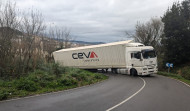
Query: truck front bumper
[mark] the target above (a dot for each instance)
(147, 70)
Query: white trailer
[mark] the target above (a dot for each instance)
(123, 57)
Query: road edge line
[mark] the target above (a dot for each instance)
(127, 99)
(178, 81)
(182, 82)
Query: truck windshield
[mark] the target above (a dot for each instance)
(148, 54)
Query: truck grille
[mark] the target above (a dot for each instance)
(150, 67)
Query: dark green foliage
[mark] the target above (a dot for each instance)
(98, 76)
(3, 94)
(185, 72)
(40, 81)
(182, 70)
(25, 84)
(67, 82)
(74, 75)
(39, 75)
(177, 33)
(82, 77)
(57, 70)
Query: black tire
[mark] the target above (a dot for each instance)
(148, 75)
(106, 70)
(133, 72)
(114, 70)
(92, 70)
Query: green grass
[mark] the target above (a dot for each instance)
(175, 76)
(47, 80)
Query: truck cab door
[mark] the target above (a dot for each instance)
(136, 59)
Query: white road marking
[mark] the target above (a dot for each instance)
(127, 99)
(177, 80)
(180, 81)
(184, 83)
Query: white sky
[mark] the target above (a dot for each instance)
(97, 20)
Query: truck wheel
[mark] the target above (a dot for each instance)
(106, 70)
(114, 70)
(92, 70)
(133, 72)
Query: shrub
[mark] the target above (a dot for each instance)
(74, 75)
(39, 72)
(73, 70)
(81, 77)
(5, 83)
(34, 77)
(48, 77)
(3, 94)
(98, 76)
(45, 68)
(39, 75)
(42, 65)
(24, 84)
(84, 77)
(185, 72)
(67, 82)
(57, 70)
(43, 83)
(52, 84)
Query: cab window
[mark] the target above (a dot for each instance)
(135, 55)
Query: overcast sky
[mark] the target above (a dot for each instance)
(97, 20)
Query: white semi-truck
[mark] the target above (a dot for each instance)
(125, 57)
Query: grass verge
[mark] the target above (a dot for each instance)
(175, 76)
(41, 81)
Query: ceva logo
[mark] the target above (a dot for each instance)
(83, 55)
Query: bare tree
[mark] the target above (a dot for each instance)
(9, 24)
(67, 38)
(56, 38)
(22, 43)
(150, 33)
(32, 26)
(62, 35)
(49, 46)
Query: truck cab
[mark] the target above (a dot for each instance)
(140, 59)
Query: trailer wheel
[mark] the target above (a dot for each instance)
(92, 70)
(106, 70)
(114, 70)
(133, 72)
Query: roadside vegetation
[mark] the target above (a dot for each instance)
(46, 79)
(181, 73)
(175, 76)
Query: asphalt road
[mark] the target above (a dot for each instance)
(118, 93)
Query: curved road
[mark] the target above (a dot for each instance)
(118, 93)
